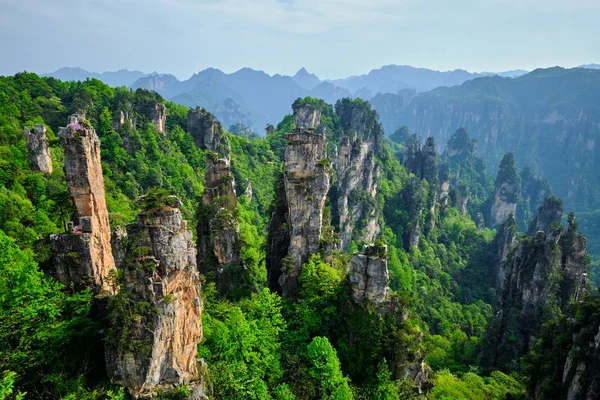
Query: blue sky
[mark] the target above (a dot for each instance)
(333, 38)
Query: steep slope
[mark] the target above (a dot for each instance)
(547, 118)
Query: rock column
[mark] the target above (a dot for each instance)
(218, 229)
(156, 318)
(306, 180)
(84, 256)
(37, 147)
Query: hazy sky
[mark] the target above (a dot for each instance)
(333, 38)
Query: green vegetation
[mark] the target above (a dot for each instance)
(257, 345)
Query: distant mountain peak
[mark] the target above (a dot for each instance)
(306, 80)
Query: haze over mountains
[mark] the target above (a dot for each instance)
(256, 99)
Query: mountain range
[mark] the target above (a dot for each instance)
(255, 99)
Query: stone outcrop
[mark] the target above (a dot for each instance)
(549, 213)
(122, 119)
(369, 275)
(158, 117)
(462, 199)
(507, 192)
(207, 132)
(543, 272)
(503, 243)
(580, 378)
(413, 200)
(357, 189)
(155, 320)
(84, 256)
(421, 159)
(38, 150)
(218, 229)
(369, 282)
(307, 117)
(306, 182)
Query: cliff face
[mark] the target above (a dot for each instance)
(306, 182)
(369, 280)
(218, 228)
(369, 275)
(580, 378)
(357, 176)
(549, 213)
(413, 198)
(543, 272)
(37, 148)
(158, 117)
(547, 116)
(507, 192)
(307, 117)
(156, 318)
(503, 243)
(207, 132)
(84, 256)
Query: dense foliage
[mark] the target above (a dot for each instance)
(258, 346)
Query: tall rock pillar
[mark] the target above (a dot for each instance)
(357, 173)
(306, 181)
(218, 229)
(38, 151)
(84, 256)
(156, 319)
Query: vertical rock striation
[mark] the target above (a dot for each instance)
(38, 150)
(155, 320)
(357, 174)
(369, 280)
(507, 191)
(158, 117)
(544, 273)
(218, 229)
(369, 276)
(84, 256)
(306, 182)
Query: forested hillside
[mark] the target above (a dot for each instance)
(146, 252)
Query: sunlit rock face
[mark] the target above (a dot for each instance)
(38, 150)
(84, 256)
(306, 183)
(357, 174)
(156, 319)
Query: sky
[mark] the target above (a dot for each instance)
(332, 38)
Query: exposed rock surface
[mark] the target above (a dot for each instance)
(156, 318)
(218, 229)
(307, 117)
(507, 192)
(84, 256)
(421, 159)
(462, 199)
(503, 243)
(413, 198)
(543, 272)
(369, 280)
(38, 150)
(357, 176)
(208, 132)
(549, 213)
(158, 117)
(369, 275)
(580, 378)
(306, 183)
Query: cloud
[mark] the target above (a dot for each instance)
(294, 16)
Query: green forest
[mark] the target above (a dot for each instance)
(474, 309)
